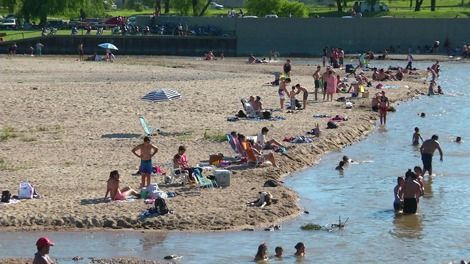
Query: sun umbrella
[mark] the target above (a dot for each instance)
(162, 95)
(107, 46)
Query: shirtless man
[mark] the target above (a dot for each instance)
(427, 151)
(411, 193)
(42, 256)
(147, 151)
(317, 80)
(304, 94)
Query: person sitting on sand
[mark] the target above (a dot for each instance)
(279, 251)
(253, 155)
(399, 74)
(263, 143)
(398, 194)
(265, 198)
(113, 190)
(340, 166)
(257, 105)
(180, 161)
(209, 55)
(342, 86)
(416, 137)
(262, 254)
(300, 250)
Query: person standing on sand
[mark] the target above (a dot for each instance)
(384, 104)
(81, 52)
(409, 59)
(39, 47)
(287, 68)
(427, 151)
(316, 79)
(304, 94)
(324, 77)
(282, 91)
(42, 256)
(147, 151)
(331, 84)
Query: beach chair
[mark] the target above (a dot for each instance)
(203, 181)
(149, 131)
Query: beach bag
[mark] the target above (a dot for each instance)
(6, 195)
(331, 125)
(266, 115)
(25, 191)
(161, 207)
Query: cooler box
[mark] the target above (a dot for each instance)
(222, 177)
(349, 68)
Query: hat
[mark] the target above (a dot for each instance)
(44, 241)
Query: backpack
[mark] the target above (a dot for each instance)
(25, 191)
(331, 125)
(266, 115)
(6, 195)
(161, 207)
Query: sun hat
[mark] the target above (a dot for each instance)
(44, 241)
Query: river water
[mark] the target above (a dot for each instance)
(439, 233)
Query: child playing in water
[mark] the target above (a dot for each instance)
(416, 137)
(398, 194)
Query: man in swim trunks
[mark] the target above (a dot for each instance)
(317, 80)
(427, 151)
(411, 193)
(384, 104)
(147, 151)
(304, 93)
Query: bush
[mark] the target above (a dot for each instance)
(280, 7)
(296, 9)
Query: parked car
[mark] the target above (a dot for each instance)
(271, 16)
(59, 24)
(365, 7)
(217, 6)
(250, 17)
(9, 23)
(115, 21)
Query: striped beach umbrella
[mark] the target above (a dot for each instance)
(162, 95)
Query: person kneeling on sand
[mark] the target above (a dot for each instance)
(265, 198)
(42, 256)
(113, 190)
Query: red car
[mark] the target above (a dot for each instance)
(115, 21)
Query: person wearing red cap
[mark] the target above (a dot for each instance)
(42, 256)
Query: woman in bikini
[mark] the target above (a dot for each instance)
(383, 108)
(113, 190)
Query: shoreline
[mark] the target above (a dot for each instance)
(361, 123)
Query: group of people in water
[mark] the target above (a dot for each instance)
(262, 253)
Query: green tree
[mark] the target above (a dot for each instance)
(41, 9)
(295, 8)
(182, 6)
(263, 7)
(11, 5)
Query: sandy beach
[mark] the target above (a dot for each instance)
(66, 124)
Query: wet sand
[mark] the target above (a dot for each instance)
(67, 124)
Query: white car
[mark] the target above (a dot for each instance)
(217, 6)
(271, 16)
(250, 17)
(8, 23)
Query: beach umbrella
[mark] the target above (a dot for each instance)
(162, 95)
(107, 46)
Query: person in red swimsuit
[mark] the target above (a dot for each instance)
(383, 108)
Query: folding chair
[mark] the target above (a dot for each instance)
(149, 131)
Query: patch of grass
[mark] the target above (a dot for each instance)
(7, 166)
(216, 137)
(184, 135)
(27, 138)
(7, 133)
(68, 163)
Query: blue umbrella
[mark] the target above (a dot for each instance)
(162, 95)
(107, 46)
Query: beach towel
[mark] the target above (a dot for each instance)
(298, 139)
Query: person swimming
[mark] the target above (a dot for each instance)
(340, 166)
(458, 139)
(398, 194)
(300, 250)
(262, 254)
(279, 251)
(416, 137)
